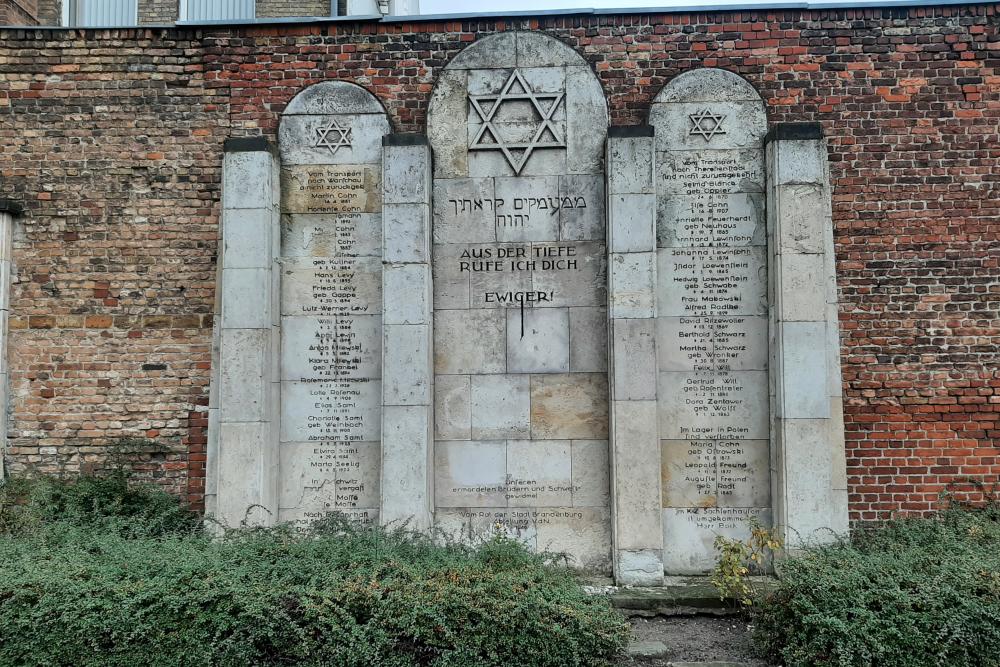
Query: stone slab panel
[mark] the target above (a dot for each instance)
(713, 405)
(569, 406)
(406, 230)
(464, 211)
(804, 385)
(689, 534)
(248, 180)
(539, 473)
(583, 533)
(407, 359)
(632, 218)
(715, 473)
(324, 189)
(588, 339)
(591, 473)
(329, 476)
(581, 214)
(470, 341)
(538, 340)
(247, 238)
(500, 406)
(328, 286)
(634, 349)
(637, 488)
(737, 343)
(470, 473)
(246, 298)
(712, 281)
(452, 407)
(709, 172)
(348, 411)
(406, 293)
(244, 359)
(729, 219)
(331, 348)
(633, 285)
(300, 138)
(331, 235)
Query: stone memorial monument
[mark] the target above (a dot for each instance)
(517, 124)
(612, 342)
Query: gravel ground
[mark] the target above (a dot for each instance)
(694, 638)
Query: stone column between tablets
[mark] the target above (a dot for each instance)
(635, 446)
(407, 352)
(8, 210)
(243, 439)
(809, 480)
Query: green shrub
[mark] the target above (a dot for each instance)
(909, 593)
(93, 592)
(110, 502)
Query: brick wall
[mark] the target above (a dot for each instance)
(18, 12)
(158, 12)
(114, 148)
(279, 8)
(49, 12)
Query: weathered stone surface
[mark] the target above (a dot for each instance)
(246, 299)
(633, 285)
(709, 172)
(246, 236)
(344, 411)
(300, 138)
(713, 405)
(500, 406)
(581, 212)
(406, 230)
(708, 85)
(591, 481)
(464, 210)
(406, 296)
(689, 534)
(712, 281)
(248, 180)
(324, 188)
(715, 473)
(569, 406)
(327, 286)
(588, 339)
(406, 364)
(470, 341)
(632, 220)
(634, 348)
(452, 407)
(244, 362)
(331, 235)
(737, 343)
(539, 473)
(470, 474)
(331, 348)
(329, 476)
(637, 505)
(538, 340)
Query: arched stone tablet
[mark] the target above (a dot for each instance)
(330, 140)
(712, 313)
(518, 123)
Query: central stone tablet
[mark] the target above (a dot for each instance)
(518, 123)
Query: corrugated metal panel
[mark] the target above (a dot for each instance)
(105, 12)
(218, 10)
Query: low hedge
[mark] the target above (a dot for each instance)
(909, 593)
(101, 591)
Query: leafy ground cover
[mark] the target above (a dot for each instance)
(100, 572)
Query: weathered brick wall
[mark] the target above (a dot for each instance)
(280, 8)
(18, 12)
(49, 12)
(158, 12)
(113, 145)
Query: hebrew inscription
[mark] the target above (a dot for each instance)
(517, 123)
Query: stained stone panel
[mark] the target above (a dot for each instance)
(712, 321)
(517, 123)
(330, 139)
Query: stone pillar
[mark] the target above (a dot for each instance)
(407, 353)
(8, 210)
(635, 447)
(809, 478)
(243, 444)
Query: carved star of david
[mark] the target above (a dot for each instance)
(490, 138)
(333, 135)
(706, 124)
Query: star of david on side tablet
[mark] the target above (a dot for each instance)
(333, 135)
(706, 124)
(491, 138)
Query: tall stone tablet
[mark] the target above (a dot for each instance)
(712, 319)
(330, 141)
(518, 123)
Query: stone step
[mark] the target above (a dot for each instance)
(679, 596)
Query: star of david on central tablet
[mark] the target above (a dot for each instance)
(491, 138)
